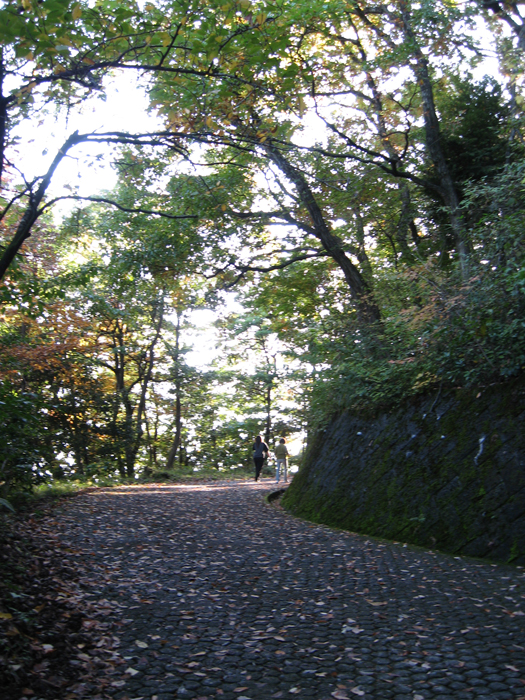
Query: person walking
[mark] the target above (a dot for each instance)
(281, 456)
(260, 450)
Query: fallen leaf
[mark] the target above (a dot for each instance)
(340, 695)
(357, 691)
(42, 666)
(512, 668)
(132, 671)
(6, 616)
(141, 645)
(239, 690)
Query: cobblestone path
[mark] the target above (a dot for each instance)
(216, 594)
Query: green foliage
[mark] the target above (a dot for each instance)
(6, 504)
(25, 454)
(437, 330)
(299, 163)
(475, 124)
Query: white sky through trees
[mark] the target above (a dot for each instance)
(122, 107)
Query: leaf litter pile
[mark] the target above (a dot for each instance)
(53, 638)
(206, 591)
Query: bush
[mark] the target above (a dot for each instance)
(439, 330)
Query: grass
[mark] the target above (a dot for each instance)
(202, 474)
(55, 489)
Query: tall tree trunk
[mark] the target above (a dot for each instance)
(406, 220)
(268, 426)
(152, 438)
(362, 256)
(367, 309)
(137, 432)
(405, 224)
(129, 452)
(3, 116)
(32, 212)
(433, 140)
(119, 366)
(170, 461)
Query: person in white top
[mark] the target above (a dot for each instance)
(281, 457)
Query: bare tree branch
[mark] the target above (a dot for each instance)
(111, 202)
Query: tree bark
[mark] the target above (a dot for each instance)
(362, 256)
(268, 427)
(133, 446)
(515, 22)
(31, 213)
(170, 460)
(367, 309)
(406, 220)
(3, 116)
(433, 141)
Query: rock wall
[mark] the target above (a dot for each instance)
(445, 472)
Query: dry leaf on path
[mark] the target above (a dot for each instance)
(340, 695)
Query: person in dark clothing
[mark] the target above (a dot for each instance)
(260, 452)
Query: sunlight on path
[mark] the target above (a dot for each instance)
(215, 594)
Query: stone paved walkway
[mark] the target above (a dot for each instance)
(223, 596)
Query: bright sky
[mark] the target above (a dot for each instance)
(125, 109)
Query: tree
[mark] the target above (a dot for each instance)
(369, 72)
(509, 13)
(57, 53)
(317, 158)
(52, 400)
(262, 383)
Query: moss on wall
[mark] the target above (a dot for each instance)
(447, 471)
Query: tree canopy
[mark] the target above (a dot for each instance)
(351, 172)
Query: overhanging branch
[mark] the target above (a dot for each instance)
(111, 202)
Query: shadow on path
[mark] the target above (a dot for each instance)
(216, 594)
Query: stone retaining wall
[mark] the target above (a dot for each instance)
(446, 472)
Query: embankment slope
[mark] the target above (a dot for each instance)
(446, 471)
